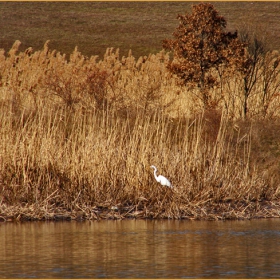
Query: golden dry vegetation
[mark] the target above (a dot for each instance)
(78, 137)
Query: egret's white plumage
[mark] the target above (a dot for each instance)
(161, 179)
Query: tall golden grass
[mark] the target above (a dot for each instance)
(78, 137)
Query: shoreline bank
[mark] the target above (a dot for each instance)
(213, 212)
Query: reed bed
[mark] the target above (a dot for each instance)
(78, 137)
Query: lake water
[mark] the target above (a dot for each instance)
(141, 249)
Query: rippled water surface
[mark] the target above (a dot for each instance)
(140, 249)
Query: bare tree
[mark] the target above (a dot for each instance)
(252, 67)
(270, 81)
(261, 72)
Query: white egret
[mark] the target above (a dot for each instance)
(161, 179)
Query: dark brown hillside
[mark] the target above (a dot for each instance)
(140, 26)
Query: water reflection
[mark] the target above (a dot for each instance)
(140, 249)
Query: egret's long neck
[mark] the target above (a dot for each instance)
(155, 170)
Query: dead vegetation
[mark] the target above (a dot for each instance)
(78, 137)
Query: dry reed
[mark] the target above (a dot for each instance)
(78, 137)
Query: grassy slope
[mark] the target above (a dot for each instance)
(140, 26)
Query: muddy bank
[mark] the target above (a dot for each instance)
(219, 211)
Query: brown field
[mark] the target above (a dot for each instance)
(139, 26)
(78, 134)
